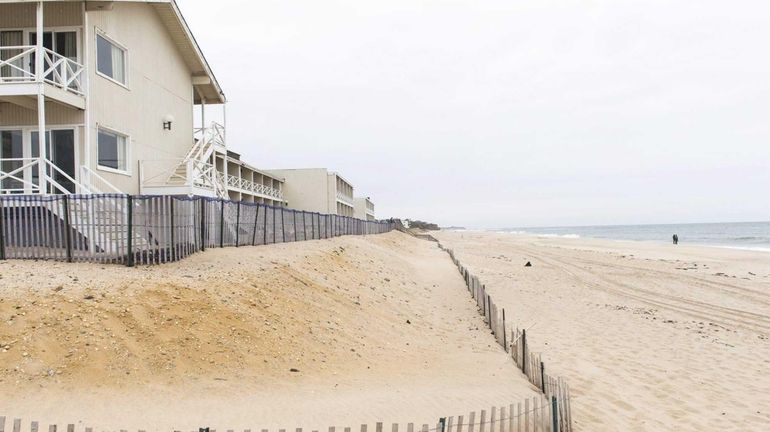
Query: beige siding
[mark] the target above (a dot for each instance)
(314, 189)
(55, 114)
(364, 208)
(159, 84)
(306, 189)
(59, 14)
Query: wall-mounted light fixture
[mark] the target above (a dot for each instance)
(167, 120)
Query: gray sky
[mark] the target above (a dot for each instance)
(497, 113)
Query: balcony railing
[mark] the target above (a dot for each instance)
(345, 198)
(17, 66)
(250, 186)
(22, 176)
(180, 173)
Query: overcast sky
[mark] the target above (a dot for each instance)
(504, 113)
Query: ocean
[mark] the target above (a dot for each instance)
(742, 235)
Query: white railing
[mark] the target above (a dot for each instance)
(251, 187)
(63, 72)
(180, 173)
(17, 65)
(345, 198)
(95, 182)
(22, 176)
(207, 139)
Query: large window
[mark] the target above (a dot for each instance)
(11, 69)
(112, 150)
(110, 59)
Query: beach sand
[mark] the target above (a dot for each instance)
(379, 328)
(649, 336)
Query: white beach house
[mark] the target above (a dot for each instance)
(112, 86)
(317, 190)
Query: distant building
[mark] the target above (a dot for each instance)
(316, 190)
(364, 208)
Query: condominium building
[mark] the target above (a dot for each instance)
(363, 208)
(112, 87)
(317, 190)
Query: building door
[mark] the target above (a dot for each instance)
(60, 148)
(11, 154)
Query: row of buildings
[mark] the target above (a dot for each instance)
(114, 87)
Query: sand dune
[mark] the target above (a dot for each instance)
(378, 329)
(651, 337)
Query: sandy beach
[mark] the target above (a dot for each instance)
(650, 336)
(376, 328)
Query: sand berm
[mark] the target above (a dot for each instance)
(313, 334)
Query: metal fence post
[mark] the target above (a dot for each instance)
(283, 227)
(542, 377)
(294, 221)
(254, 235)
(130, 230)
(275, 222)
(2, 230)
(68, 230)
(173, 240)
(222, 224)
(237, 224)
(264, 231)
(304, 225)
(203, 223)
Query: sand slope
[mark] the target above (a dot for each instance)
(650, 336)
(212, 340)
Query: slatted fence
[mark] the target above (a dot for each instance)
(531, 415)
(143, 229)
(555, 389)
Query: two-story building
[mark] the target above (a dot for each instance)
(112, 86)
(317, 190)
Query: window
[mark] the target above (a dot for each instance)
(112, 151)
(110, 59)
(11, 68)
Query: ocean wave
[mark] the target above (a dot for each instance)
(566, 236)
(748, 248)
(544, 235)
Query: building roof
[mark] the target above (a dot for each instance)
(205, 83)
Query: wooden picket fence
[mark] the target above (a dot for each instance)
(532, 415)
(531, 365)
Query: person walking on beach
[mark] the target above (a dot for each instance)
(676, 239)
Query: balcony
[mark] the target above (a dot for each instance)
(242, 185)
(63, 77)
(345, 199)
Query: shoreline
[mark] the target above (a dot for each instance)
(585, 237)
(640, 330)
